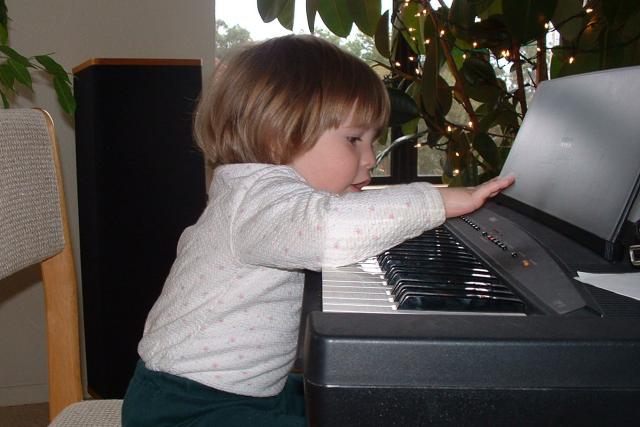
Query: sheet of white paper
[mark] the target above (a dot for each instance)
(627, 284)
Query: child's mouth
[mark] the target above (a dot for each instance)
(360, 185)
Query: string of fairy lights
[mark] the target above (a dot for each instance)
(420, 59)
(505, 53)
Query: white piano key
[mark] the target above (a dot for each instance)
(338, 308)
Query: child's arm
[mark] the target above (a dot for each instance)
(459, 201)
(284, 223)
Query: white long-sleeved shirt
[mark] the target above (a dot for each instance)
(229, 312)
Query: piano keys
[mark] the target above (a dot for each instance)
(433, 271)
(438, 272)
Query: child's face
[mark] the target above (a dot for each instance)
(340, 161)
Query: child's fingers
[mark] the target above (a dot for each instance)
(496, 185)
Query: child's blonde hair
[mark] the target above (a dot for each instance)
(272, 100)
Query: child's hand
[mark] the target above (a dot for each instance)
(459, 201)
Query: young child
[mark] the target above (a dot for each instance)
(288, 125)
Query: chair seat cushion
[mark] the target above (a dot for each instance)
(94, 413)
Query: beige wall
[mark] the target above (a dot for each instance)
(77, 30)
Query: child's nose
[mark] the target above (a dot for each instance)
(367, 157)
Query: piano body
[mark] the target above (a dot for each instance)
(481, 321)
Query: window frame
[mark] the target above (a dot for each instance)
(400, 172)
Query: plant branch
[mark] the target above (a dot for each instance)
(459, 86)
(469, 129)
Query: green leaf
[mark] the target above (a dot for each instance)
(526, 18)
(583, 62)
(336, 16)
(619, 11)
(507, 119)
(7, 77)
(15, 56)
(614, 53)
(457, 55)
(52, 67)
(487, 120)
(270, 9)
(410, 127)
(5, 100)
(430, 76)
(483, 93)
(4, 17)
(630, 27)
(432, 99)
(485, 146)
(403, 107)
(591, 39)
(568, 27)
(461, 17)
(383, 138)
(366, 14)
(486, 8)
(286, 15)
(20, 72)
(480, 80)
(65, 96)
(558, 63)
(414, 90)
(4, 34)
(445, 97)
(409, 20)
(312, 9)
(382, 36)
(491, 33)
(477, 71)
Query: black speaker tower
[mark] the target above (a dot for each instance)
(141, 181)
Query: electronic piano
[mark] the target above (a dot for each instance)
(482, 321)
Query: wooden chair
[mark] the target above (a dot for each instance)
(34, 229)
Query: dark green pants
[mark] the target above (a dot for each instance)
(159, 399)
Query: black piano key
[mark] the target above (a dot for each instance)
(429, 250)
(449, 240)
(446, 301)
(444, 236)
(455, 291)
(437, 267)
(416, 246)
(392, 280)
(418, 261)
(450, 281)
(409, 258)
(393, 269)
(442, 282)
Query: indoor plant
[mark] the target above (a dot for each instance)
(460, 73)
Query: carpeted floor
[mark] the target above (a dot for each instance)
(35, 415)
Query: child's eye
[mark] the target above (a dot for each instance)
(353, 139)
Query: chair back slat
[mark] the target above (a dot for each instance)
(30, 219)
